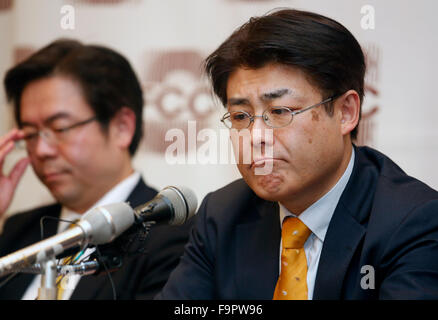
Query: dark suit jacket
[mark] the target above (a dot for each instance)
(384, 219)
(140, 277)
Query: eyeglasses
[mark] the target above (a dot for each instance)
(274, 117)
(52, 136)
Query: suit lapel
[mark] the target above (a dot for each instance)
(342, 238)
(346, 229)
(93, 287)
(257, 253)
(141, 194)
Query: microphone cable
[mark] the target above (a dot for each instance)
(9, 278)
(82, 251)
(102, 261)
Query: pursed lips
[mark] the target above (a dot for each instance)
(260, 162)
(52, 175)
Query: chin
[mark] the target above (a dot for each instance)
(61, 193)
(268, 187)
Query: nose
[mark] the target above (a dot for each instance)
(44, 147)
(261, 133)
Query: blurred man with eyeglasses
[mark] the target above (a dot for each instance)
(79, 113)
(329, 220)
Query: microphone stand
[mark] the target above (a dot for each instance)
(45, 252)
(49, 271)
(109, 261)
(83, 268)
(48, 289)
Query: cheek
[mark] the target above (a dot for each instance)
(35, 163)
(294, 143)
(242, 148)
(322, 144)
(305, 146)
(77, 153)
(315, 116)
(319, 129)
(93, 157)
(80, 157)
(85, 146)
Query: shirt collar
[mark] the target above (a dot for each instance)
(317, 217)
(118, 193)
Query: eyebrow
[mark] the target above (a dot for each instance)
(269, 96)
(237, 101)
(266, 97)
(49, 120)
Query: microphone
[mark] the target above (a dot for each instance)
(97, 226)
(173, 205)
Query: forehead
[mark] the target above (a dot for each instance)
(46, 97)
(273, 81)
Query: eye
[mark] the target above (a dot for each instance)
(30, 136)
(279, 111)
(239, 116)
(60, 130)
(60, 125)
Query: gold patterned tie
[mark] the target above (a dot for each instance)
(61, 280)
(292, 282)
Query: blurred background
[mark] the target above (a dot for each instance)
(166, 42)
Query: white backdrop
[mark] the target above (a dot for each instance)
(166, 40)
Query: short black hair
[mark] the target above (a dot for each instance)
(107, 79)
(326, 51)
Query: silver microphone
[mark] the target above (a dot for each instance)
(172, 205)
(97, 226)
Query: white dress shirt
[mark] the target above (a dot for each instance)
(117, 194)
(317, 218)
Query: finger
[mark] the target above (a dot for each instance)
(12, 135)
(18, 171)
(20, 135)
(4, 151)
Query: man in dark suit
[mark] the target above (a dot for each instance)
(314, 217)
(79, 111)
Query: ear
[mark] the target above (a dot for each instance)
(123, 127)
(349, 111)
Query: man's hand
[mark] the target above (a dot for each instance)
(9, 183)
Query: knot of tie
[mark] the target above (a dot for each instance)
(294, 233)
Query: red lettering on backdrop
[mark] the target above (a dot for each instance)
(6, 4)
(175, 93)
